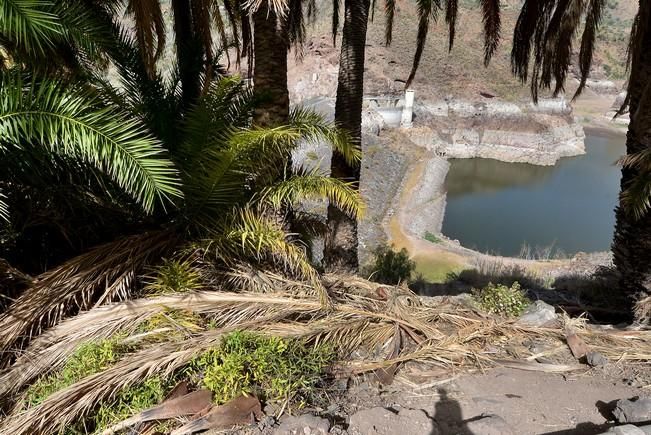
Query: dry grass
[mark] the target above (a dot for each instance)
(363, 319)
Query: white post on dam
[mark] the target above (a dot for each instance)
(407, 109)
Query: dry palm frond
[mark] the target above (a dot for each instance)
(643, 311)
(360, 322)
(105, 274)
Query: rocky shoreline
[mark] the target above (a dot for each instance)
(507, 132)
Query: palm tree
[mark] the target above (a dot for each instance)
(227, 178)
(341, 243)
(547, 29)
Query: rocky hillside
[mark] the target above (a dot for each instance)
(460, 72)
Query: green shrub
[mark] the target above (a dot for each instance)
(274, 369)
(175, 276)
(502, 300)
(431, 237)
(88, 359)
(392, 267)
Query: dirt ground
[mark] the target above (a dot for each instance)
(577, 403)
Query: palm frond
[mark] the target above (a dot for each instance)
(250, 234)
(311, 185)
(30, 24)
(636, 48)
(636, 197)
(451, 12)
(71, 121)
(593, 18)
(492, 27)
(149, 27)
(312, 127)
(4, 208)
(104, 274)
(427, 10)
(389, 14)
(547, 28)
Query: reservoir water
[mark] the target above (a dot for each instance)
(498, 207)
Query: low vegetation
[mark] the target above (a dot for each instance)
(502, 300)
(88, 359)
(274, 369)
(392, 267)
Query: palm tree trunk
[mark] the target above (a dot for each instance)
(188, 51)
(632, 240)
(341, 244)
(270, 68)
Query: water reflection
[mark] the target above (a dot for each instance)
(496, 206)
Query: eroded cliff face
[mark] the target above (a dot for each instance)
(536, 134)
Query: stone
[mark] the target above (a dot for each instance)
(633, 411)
(595, 359)
(538, 313)
(382, 421)
(306, 424)
(627, 429)
(490, 424)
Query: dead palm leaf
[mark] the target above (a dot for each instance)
(104, 274)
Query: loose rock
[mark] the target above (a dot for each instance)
(595, 359)
(627, 429)
(633, 411)
(538, 314)
(306, 424)
(490, 425)
(382, 421)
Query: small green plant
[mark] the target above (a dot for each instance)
(275, 369)
(130, 401)
(392, 267)
(431, 237)
(175, 276)
(88, 359)
(502, 300)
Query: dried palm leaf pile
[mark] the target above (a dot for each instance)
(373, 327)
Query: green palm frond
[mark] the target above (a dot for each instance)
(29, 24)
(314, 128)
(636, 198)
(544, 31)
(71, 121)
(312, 185)
(250, 234)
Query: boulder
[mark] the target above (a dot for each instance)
(633, 411)
(538, 314)
(382, 421)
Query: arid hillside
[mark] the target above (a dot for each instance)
(459, 72)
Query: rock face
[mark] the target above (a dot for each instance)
(538, 314)
(537, 134)
(633, 411)
(382, 421)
